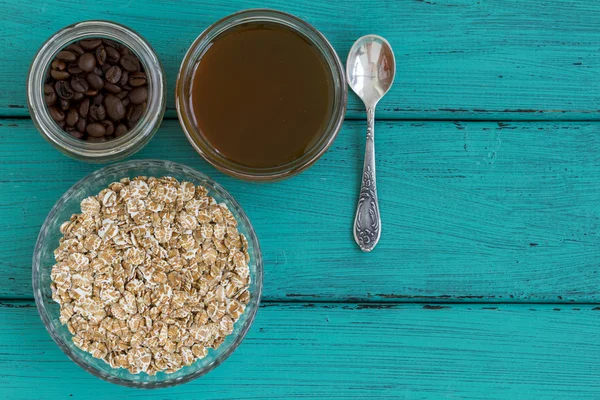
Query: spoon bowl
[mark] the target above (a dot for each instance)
(371, 68)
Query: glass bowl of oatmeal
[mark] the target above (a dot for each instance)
(100, 348)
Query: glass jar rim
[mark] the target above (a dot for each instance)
(117, 148)
(336, 119)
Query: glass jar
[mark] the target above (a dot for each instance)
(185, 81)
(110, 150)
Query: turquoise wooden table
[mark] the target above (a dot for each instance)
(485, 284)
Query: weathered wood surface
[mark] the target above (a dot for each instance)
(477, 211)
(336, 351)
(457, 59)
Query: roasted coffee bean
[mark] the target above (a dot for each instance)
(49, 94)
(74, 69)
(97, 112)
(95, 130)
(72, 117)
(78, 96)
(76, 134)
(90, 44)
(60, 75)
(81, 125)
(61, 124)
(84, 107)
(95, 81)
(130, 63)
(63, 90)
(75, 49)
(56, 114)
(134, 113)
(66, 56)
(113, 74)
(112, 55)
(101, 55)
(91, 92)
(87, 62)
(124, 78)
(58, 65)
(98, 99)
(79, 84)
(120, 130)
(124, 51)
(109, 126)
(114, 107)
(112, 88)
(137, 79)
(139, 95)
(98, 71)
(64, 104)
(126, 87)
(122, 94)
(105, 68)
(112, 43)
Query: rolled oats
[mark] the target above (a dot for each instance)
(151, 274)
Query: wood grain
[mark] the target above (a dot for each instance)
(477, 211)
(350, 352)
(457, 59)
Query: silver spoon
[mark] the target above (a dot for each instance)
(370, 70)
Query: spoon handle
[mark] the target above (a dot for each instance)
(367, 223)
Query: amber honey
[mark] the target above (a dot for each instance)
(262, 95)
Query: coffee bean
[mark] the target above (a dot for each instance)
(95, 81)
(81, 125)
(74, 69)
(90, 44)
(63, 90)
(139, 95)
(137, 79)
(66, 56)
(105, 68)
(124, 51)
(112, 88)
(61, 124)
(84, 107)
(76, 134)
(134, 113)
(98, 99)
(58, 65)
(95, 130)
(114, 107)
(112, 55)
(56, 114)
(64, 104)
(112, 43)
(97, 112)
(87, 62)
(92, 139)
(126, 87)
(101, 55)
(120, 130)
(60, 75)
(49, 94)
(122, 94)
(109, 126)
(130, 63)
(126, 101)
(113, 74)
(78, 96)
(72, 117)
(79, 84)
(75, 49)
(91, 92)
(124, 78)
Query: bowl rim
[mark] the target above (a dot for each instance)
(36, 266)
(337, 117)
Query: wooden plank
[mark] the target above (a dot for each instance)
(471, 211)
(457, 59)
(300, 351)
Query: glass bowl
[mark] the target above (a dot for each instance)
(43, 260)
(111, 150)
(199, 141)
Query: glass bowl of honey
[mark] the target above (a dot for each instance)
(261, 95)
